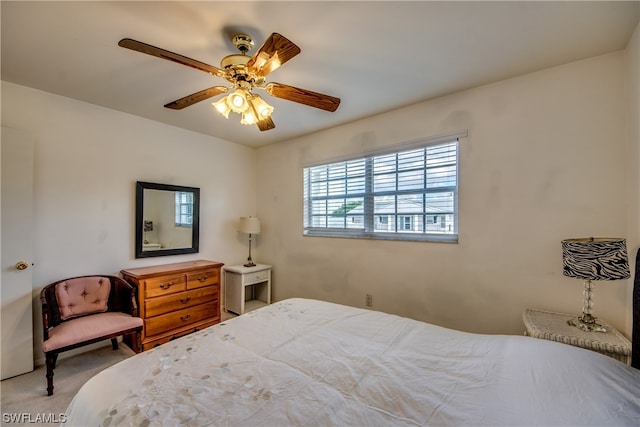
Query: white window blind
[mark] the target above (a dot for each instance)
(184, 209)
(409, 194)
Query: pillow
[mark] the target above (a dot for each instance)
(82, 295)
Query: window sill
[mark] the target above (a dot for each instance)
(437, 238)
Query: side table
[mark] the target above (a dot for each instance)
(246, 288)
(553, 327)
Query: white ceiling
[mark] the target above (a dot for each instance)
(375, 56)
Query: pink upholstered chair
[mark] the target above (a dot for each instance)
(84, 310)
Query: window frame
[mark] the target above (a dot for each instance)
(179, 204)
(370, 220)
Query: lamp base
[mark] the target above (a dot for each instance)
(587, 323)
(249, 264)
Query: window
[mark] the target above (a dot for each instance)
(409, 194)
(184, 209)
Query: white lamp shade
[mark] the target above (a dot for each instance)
(249, 225)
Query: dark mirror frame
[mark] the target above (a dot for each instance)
(195, 236)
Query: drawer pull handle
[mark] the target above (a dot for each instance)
(166, 286)
(202, 278)
(184, 318)
(185, 300)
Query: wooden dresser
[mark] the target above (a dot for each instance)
(176, 299)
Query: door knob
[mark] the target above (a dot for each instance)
(22, 265)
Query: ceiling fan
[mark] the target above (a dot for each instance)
(244, 74)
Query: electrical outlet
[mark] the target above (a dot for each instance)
(369, 301)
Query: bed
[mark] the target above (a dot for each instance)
(312, 363)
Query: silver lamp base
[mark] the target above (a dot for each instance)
(587, 323)
(250, 262)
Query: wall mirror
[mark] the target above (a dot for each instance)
(167, 219)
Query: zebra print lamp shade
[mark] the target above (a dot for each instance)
(594, 259)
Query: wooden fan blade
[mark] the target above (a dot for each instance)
(275, 51)
(196, 97)
(303, 96)
(266, 124)
(171, 56)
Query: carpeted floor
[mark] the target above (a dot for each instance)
(25, 400)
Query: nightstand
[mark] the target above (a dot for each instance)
(246, 288)
(553, 327)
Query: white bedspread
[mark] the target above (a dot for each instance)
(310, 363)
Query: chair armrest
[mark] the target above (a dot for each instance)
(45, 315)
(124, 296)
(50, 311)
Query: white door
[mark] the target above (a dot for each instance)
(16, 253)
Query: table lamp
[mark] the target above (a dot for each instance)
(147, 226)
(249, 225)
(593, 259)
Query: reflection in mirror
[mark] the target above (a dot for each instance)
(167, 219)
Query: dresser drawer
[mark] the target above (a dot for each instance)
(165, 285)
(155, 343)
(202, 278)
(258, 276)
(173, 302)
(167, 322)
(165, 339)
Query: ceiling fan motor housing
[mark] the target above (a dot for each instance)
(237, 71)
(234, 61)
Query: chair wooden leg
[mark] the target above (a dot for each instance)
(51, 364)
(114, 343)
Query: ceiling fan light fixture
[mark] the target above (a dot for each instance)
(222, 107)
(237, 101)
(251, 107)
(261, 107)
(248, 118)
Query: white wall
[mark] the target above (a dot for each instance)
(633, 126)
(545, 159)
(87, 160)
